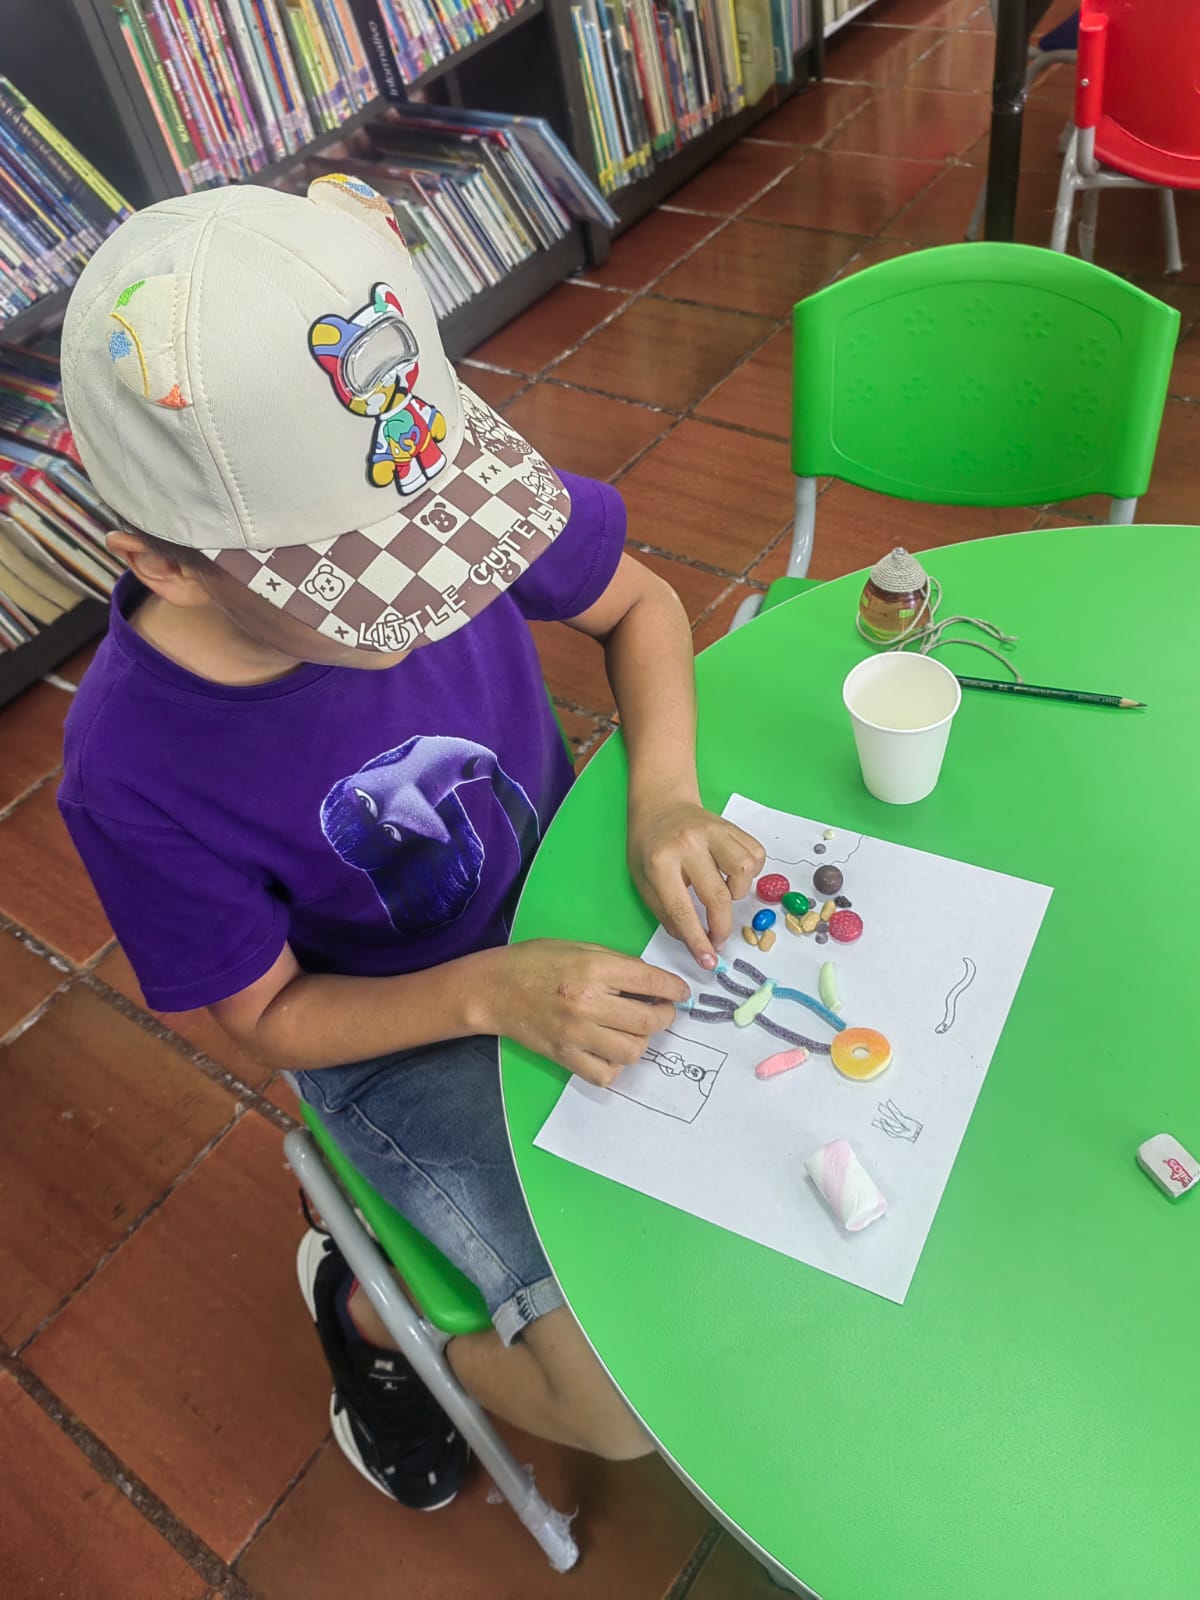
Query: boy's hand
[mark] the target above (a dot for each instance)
(679, 843)
(572, 1002)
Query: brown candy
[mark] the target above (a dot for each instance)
(827, 880)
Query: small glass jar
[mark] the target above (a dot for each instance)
(895, 600)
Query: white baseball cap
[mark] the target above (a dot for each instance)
(259, 376)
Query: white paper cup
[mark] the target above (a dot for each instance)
(901, 707)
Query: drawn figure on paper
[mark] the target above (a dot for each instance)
(372, 363)
(895, 1123)
(950, 1015)
(674, 1077)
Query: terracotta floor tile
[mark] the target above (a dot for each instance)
(579, 730)
(735, 178)
(941, 214)
(25, 981)
(758, 394)
(197, 1027)
(979, 21)
(1129, 237)
(192, 1355)
(42, 882)
(548, 329)
(649, 248)
(845, 192)
(809, 117)
(30, 739)
(732, 1573)
(280, 1094)
(589, 751)
(926, 124)
(65, 1532)
(963, 61)
(878, 250)
(716, 625)
(1185, 373)
(877, 55)
(494, 388)
(581, 432)
(1041, 129)
(573, 667)
(663, 353)
(637, 1526)
(920, 13)
(752, 266)
(99, 1117)
(717, 496)
(855, 528)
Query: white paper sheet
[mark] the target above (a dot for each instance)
(937, 966)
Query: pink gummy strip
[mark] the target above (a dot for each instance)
(783, 1062)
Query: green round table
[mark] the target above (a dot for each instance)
(1028, 1422)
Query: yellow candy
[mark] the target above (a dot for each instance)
(749, 935)
(827, 910)
(766, 940)
(811, 922)
(793, 923)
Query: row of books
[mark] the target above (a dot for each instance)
(52, 524)
(236, 84)
(55, 208)
(475, 193)
(657, 73)
(408, 37)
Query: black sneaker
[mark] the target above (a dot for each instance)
(386, 1422)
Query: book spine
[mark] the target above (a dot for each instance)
(273, 71)
(158, 27)
(267, 115)
(96, 198)
(168, 114)
(389, 76)
(305, 127)
(202, 48)
(253, 131)
(188, 72)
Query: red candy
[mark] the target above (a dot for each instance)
(845, 926)
(772, 888)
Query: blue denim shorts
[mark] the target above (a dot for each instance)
(426, 1129)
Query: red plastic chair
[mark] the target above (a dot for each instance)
(1137, 112)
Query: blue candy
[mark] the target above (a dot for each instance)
(762, 921)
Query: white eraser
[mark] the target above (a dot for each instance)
(1169, 1164)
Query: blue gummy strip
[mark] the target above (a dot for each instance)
(831, 1017)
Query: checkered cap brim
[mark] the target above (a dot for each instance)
(444, 555)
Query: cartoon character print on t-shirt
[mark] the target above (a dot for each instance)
(400, 820)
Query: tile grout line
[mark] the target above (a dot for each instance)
(696, 1562)
(111, 1469)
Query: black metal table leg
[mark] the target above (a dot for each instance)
(1014, 21)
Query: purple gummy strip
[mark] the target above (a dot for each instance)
(727, 982)
(789, 1037)
(710, 1016)
(751, 972)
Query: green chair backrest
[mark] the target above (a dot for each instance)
(442, 1294)
(981, 374)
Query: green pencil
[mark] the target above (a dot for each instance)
(1080, 696)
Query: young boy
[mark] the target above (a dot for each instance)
(314, 756)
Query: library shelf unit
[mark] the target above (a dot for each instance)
(69, 57)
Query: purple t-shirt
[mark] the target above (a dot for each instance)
(380, 822)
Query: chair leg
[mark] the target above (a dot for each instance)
(1087, 224)
(746, 612)
(549, 1527)
(1166, 199)
(1066, 198)
(975, 226)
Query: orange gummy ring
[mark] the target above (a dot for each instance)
(861, 1053)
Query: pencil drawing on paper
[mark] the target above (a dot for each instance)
(895, 1123)
(674, 1077)
(950, 1014)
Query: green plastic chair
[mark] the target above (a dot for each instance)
(975, 375)
(433, 1303)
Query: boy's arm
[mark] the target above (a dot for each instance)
(566, 1001)
(673, 841)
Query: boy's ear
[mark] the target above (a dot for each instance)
(171, 580)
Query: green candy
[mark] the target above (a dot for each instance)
(797, 904)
